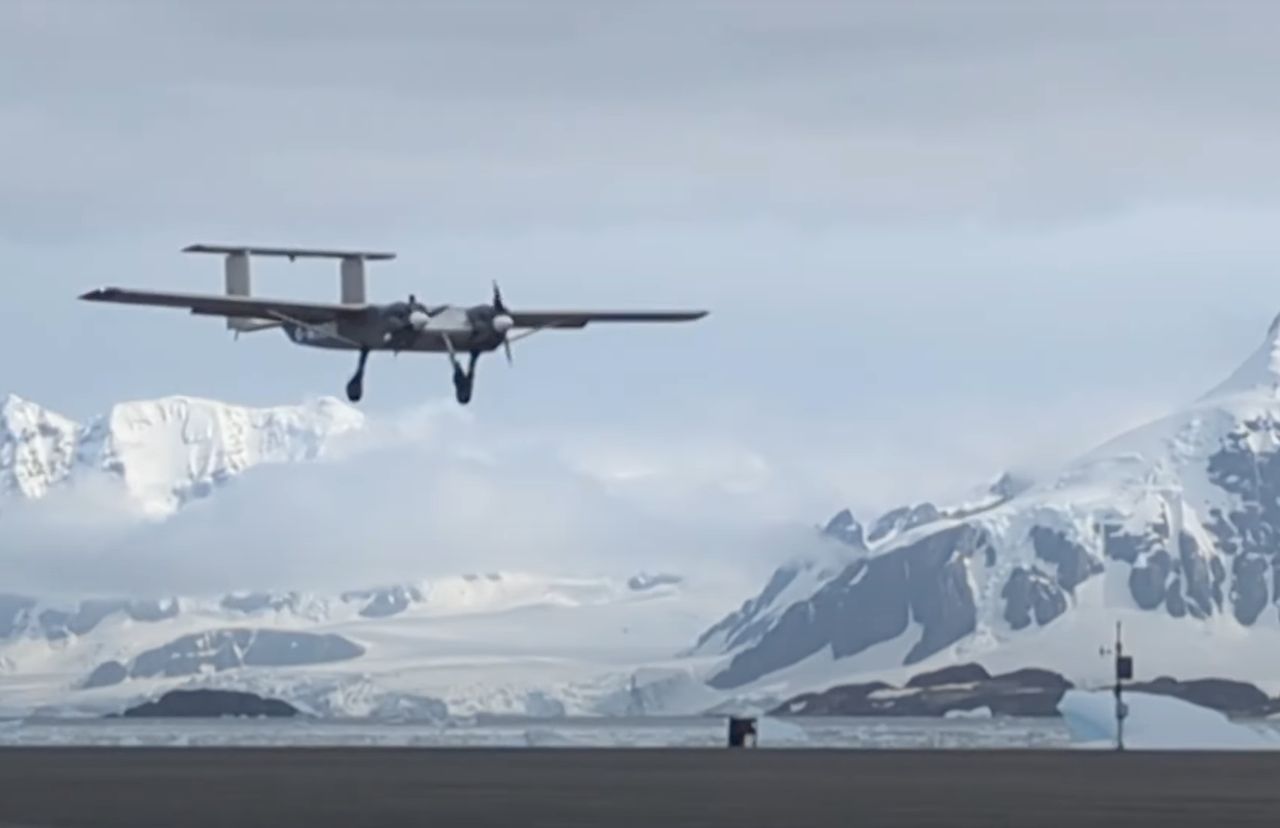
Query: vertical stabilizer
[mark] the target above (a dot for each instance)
(353, 280)
(239, 284)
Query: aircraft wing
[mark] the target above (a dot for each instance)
(229, 306)
(580, 319)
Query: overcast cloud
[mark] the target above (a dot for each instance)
(937, 239)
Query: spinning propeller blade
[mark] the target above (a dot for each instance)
(500, 308)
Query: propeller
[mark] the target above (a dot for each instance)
(502, 321)
(418, 316)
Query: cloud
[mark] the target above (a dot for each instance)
(497, 114)
(436, 490)
(936, 241)
(413, 497)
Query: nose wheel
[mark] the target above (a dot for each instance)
(355, 388)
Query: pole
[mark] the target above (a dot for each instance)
(1123, 670)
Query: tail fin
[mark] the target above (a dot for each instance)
(351, 268)
(239, 283)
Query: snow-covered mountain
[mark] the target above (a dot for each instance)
(165, 452)
(493, 642)
(1173, 528)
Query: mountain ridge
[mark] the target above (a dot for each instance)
(1178, 519)
(165, 451)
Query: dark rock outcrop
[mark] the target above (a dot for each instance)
(1026, 692)
(384, 602)
(220, 650)
(17, 613)
(1235, 698)
(740, 625)
(106, 674)
(211, 704)
(846, 529)
(955, 674)
(1148, 582)
(902, 519)
(1031, 592)
(1251, 532)
(873, 600)
(1072, 561)
(1249, 594)
(963, 687)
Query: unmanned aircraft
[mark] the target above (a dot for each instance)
(353, 324)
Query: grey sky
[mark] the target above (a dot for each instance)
(936, 238)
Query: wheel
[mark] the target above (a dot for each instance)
(355, 389)
(462, 388)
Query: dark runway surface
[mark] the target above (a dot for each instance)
(229, 788)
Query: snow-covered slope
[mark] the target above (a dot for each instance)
(166, 451)
(497, 643)
(1173, 528)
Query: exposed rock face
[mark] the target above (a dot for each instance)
(211, 704)
(1027, 692)
(956, 674)
(19, 614)
(1073, 562)
(89, 614)
(1185, 512)
(1235, 698)
(872, 600)
(844, 528)
(960, 688)
(226, 650)
(106, 674)
(745, 622)
(384, 602)
(902, 519)
(1031, 592)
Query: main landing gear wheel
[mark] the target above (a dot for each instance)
(462, 385)
(355, 388)
(464, 381)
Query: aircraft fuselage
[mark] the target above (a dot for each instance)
(391, 328)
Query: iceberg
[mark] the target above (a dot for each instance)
(1155, 723)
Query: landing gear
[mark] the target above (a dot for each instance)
(464, 381)
(355, 388)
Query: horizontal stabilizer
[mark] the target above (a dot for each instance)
(289, 252)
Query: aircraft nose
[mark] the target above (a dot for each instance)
(418, 319)
(503, 323)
